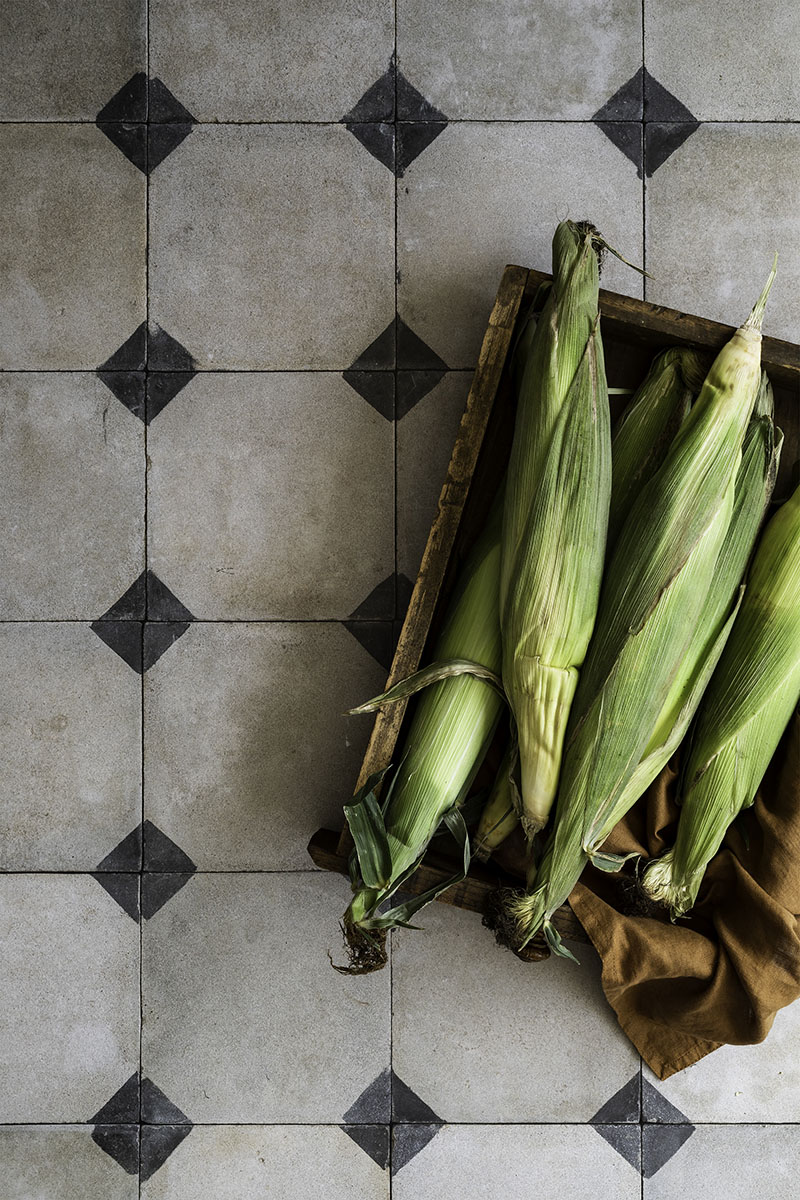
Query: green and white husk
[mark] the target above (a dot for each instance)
(453, 723)
(744, 712)
(499, 818)
(648, 427)
(556, 508)
(653, 600)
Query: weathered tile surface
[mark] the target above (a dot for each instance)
(734, 1163)
(59, 1162)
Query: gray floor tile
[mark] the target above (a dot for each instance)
(550, 62)
(251, 1163)
(73, 475)
(59, 1162)
(271, 496)
(70, 726)
(298, 63)
(69, 997)
(271, 246)
(425, 438)
(742, 1083)
(493, 1039)
(730, 1164)
(244, 1018)
(715, 65)
(716, 213)
(63, 62)
(247, 748)
(73, 247)
(516, 1162)
(492, 194)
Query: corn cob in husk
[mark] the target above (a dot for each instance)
(748, 704)
(653, 600)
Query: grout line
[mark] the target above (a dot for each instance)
(332, 123)
(93, 871)
(641, 1130)
(459, 1124)
(644, 165)
(396, 568)
(200, 621)
(92, 371)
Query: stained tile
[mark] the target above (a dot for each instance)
(250, 1162)
(490, 195)
(504, 67)
(717, 69)
(508, 1161)
(271, 495)
(740, 1083)
(300, 206)
(53, 1162)
(71, 729)
(226, 774)
(247, 956)
(230, 64)
(59, 63)
(734, 1163)
(69, 997)
(73, 496)
(425, 438)
(473, 1054)
(716, 213)
(73, 245)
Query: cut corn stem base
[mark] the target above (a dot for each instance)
(366, 948)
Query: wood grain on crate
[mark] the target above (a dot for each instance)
(637, 330)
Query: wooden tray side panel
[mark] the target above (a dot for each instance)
(441, 539)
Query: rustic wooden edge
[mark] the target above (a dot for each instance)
(472, 893)
(441, 538)
(670, 326)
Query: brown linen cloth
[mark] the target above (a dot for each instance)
(720, 974)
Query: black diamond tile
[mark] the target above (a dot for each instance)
(165, 353)
(373, 1140)
(131, 139)
(625, 1139)
(627, 103)
(657, 1108)
(164, 107)
(624, 1106)
(412, 105)
(377, 103)
(122, 887)
(376, 387)
(132, 354)
(661, 140)
(158, 888)
(158, 1143)
(381, 354)
(661, 105)
(379, 604)
(120, 1142)
(123, 1106)
(413, 386)
(374, 1105)
(132, 604)
(407, 1105)
(129, 389)
(412, 139)
(378, 139)
(126, 856)
(157, 639)
(158, 1109)
(163, 386)
(162, 604)
(413, 353)
(125, 638)
(162, 140)
(404, 589)
(377, 637)
(161, 853)
(660, 1143)
(627, 136)
(408, 1141)
(129, 103)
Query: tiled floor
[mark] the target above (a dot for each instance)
(248, 253)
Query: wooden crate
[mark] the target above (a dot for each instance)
(633, 331)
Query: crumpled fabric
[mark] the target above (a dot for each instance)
(719, 975)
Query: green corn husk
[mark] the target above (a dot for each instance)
(653, 598)
(556, 508)
(750, 699)
(499, 818)
(454, 722)
(755, 480)
(648, 426)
